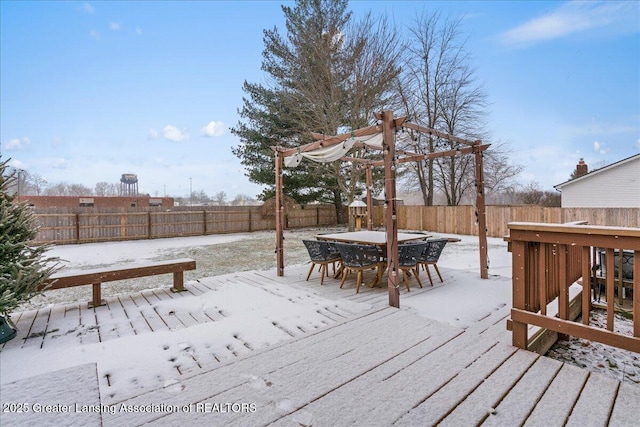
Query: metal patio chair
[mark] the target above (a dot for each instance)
(408, 258)
(431, 255)
(356, 257)
(321, 253)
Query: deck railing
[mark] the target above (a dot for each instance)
(548, 259)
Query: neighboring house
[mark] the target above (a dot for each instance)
(614, 186)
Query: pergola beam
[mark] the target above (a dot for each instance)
(438, 134)
(413, 157)
(324, 142)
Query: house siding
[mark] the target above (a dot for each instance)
(615, 187)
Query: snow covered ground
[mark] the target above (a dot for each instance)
(140, 362)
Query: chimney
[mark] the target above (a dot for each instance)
(581, 168)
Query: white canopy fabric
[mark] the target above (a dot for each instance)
(334, 152)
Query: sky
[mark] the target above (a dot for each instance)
(92, 90)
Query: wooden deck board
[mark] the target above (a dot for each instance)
(436, 406)
(65, 327)
(89, 325)
(35, 335)
(557, 402)
(516, 406)
(137, 322)
(476, 407)
(625, 409)
(108, 318)
(595, 402)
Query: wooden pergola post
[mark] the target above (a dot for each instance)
(369, 198)
(481, 212)
(279, 215)
(391, 223)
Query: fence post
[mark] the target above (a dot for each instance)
(204, 222)
(77, 227)
(149, 225)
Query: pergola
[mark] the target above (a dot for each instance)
(380, 137)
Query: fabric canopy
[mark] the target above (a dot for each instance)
(334, 152)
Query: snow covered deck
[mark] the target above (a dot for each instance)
(377, 366)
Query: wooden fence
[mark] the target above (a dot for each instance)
(462, 219)
(91, 225)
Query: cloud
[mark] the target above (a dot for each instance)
(153, 134)
(213, 129)
(87, 8)
(600, 147)
(573, 17)
(172, 133)
(17, 164)
(94, 34)
(16, 144)
(114, 26)
(59, 163)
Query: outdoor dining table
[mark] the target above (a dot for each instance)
(369, 237)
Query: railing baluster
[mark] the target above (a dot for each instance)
(586, 284)
(542, 277)
(610, 280)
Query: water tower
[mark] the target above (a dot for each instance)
(129, 184)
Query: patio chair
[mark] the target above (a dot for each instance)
(321, 253)
(408, 257)
(356, 257)
(431, 255)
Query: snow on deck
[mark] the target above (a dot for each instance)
(303, 354)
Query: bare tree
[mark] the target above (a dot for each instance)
(58, 189)
(220, 198)
(421, 84)
(532, 194)
(104, 189)
(80, 190)
(499, 174)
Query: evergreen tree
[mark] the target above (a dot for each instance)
(327, 75)
(23, 267)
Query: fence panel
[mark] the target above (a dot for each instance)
(463, 219)
(63, 226)
(90, 225)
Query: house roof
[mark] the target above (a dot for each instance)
(597, 171)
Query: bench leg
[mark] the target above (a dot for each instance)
(178, 281)
(97, 296)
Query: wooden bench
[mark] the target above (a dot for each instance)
(96, 276)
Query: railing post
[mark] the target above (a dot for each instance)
(519, 331)
(636, 294)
